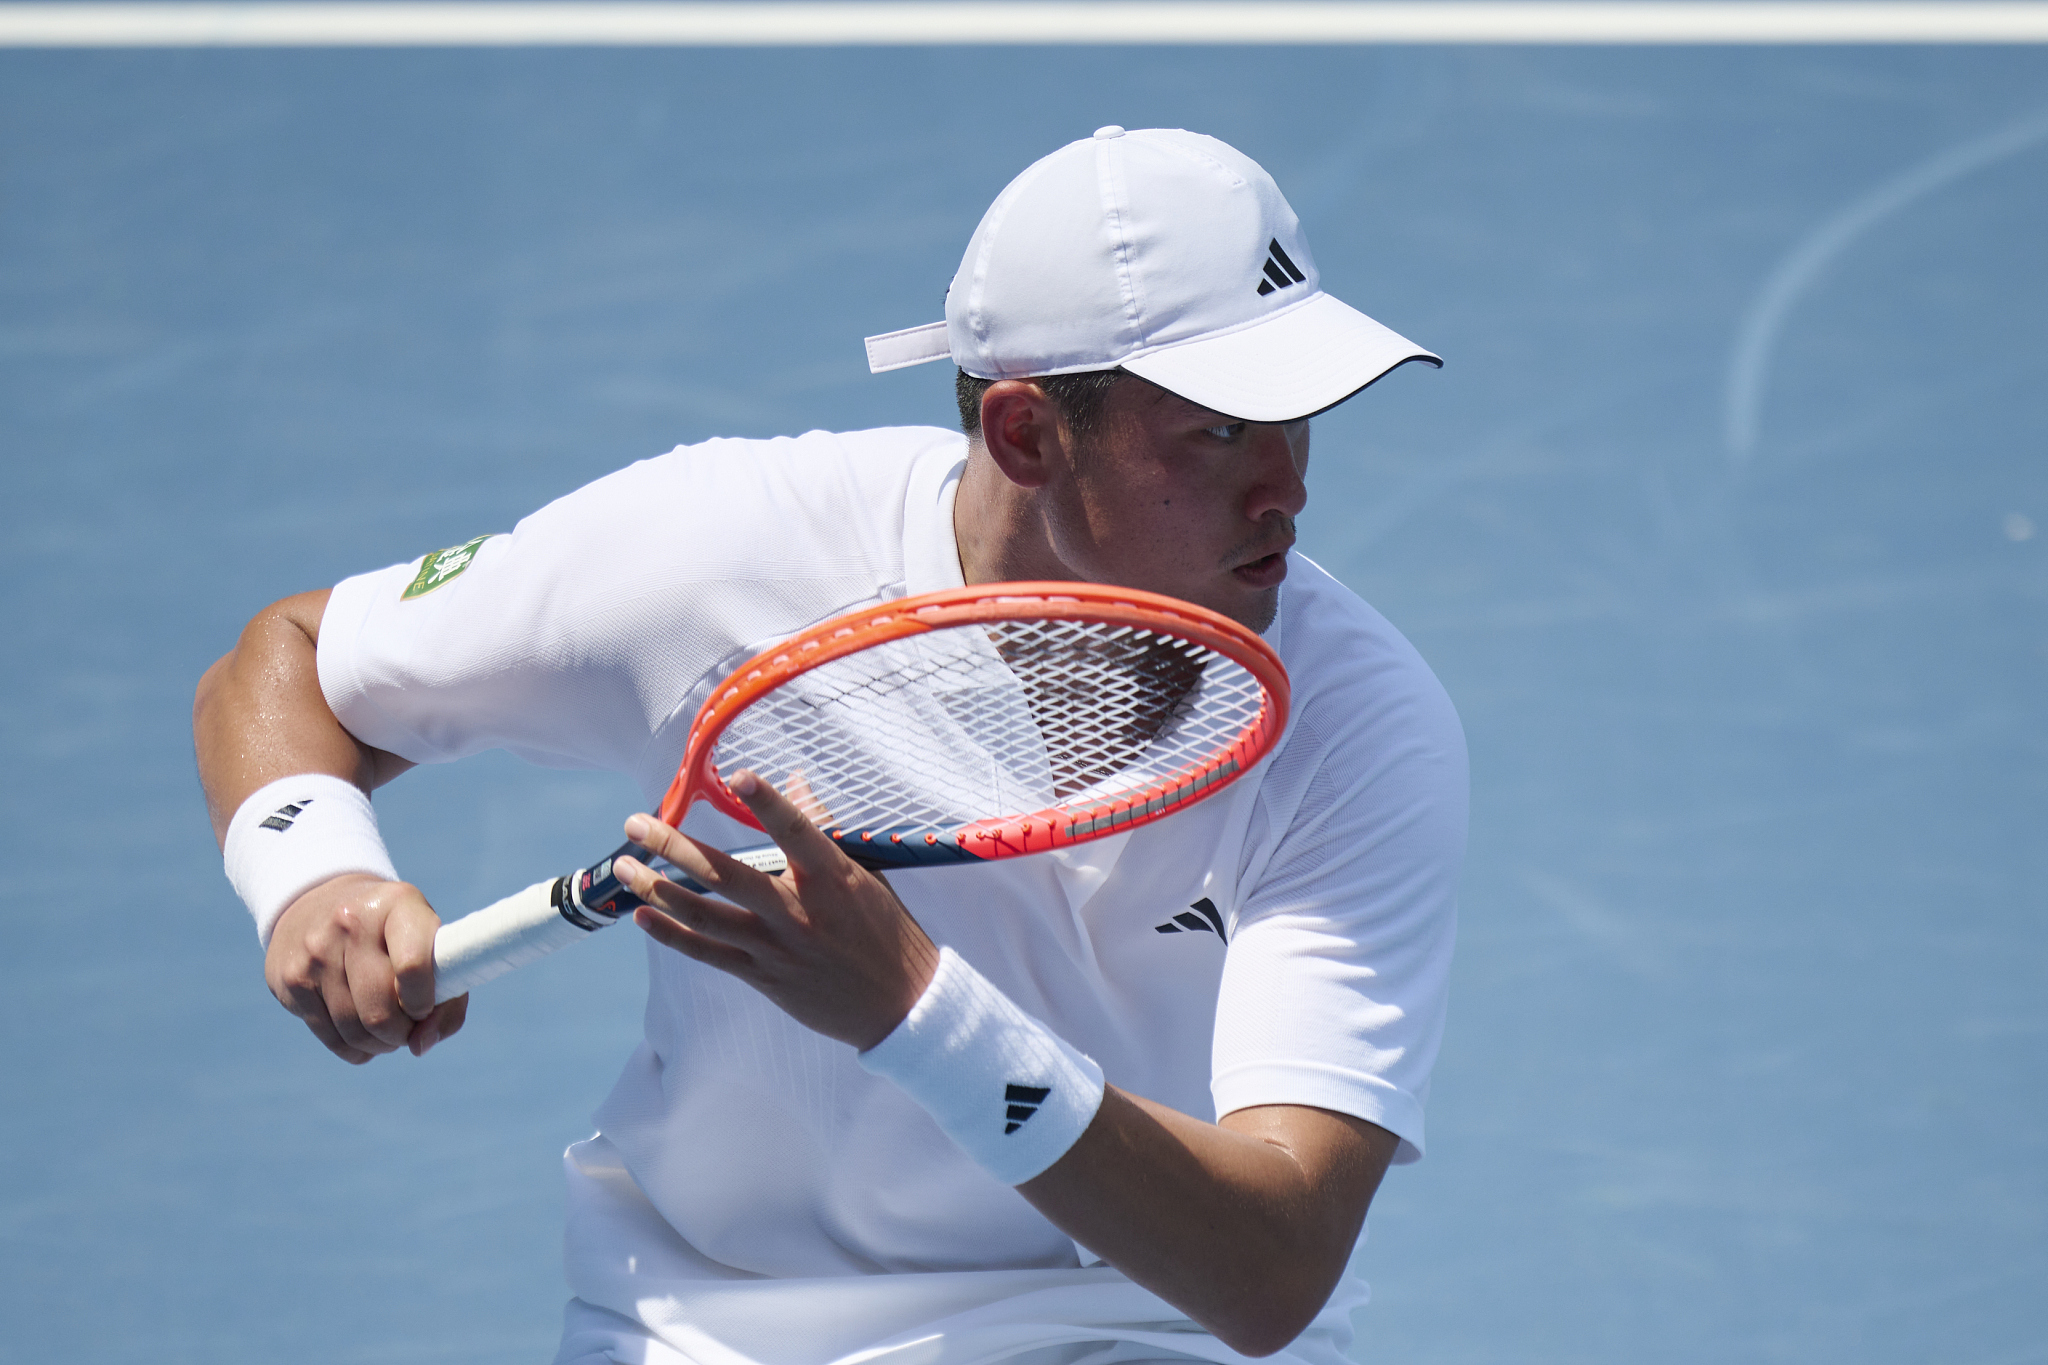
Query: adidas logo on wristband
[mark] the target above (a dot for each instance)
(282, 821)
(1023, 1101)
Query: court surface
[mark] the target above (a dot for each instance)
(1726, 525)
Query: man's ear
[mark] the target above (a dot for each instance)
(1020, 427)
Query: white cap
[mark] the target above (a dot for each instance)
(1165, 252)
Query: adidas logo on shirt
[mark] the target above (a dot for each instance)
(1202, 918)
(282, 821)
(1023, 1101)
(1281, 273)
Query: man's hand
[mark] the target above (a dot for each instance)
(828, 941)
(354, 958)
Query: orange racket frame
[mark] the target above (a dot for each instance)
(1037, 831)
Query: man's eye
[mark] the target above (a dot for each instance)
(1229, 431)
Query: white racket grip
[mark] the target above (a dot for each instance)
(522, 928)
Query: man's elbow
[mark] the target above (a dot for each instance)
(209, 686)
(1261, 1338)
(1267, 1316)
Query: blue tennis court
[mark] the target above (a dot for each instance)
(1725, 525)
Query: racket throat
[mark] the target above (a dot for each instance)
(593, 898)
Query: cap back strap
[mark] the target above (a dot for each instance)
(911, 346)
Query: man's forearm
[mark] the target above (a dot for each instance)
(353, 955)
(258, 714)
(1245, 1225)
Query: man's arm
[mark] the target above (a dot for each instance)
(1245, 1225)
(354, 956)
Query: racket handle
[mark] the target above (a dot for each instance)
(547, 916)
(524, 927)
(528, 925)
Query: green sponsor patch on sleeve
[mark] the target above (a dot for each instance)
(440, 566)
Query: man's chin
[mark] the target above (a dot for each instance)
(1253, 610)
(1262, 615)
(1257, 598)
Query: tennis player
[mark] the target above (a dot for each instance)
(822, 1150)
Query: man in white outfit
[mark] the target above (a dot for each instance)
(822, 1150)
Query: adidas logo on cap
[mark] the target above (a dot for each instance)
(1281, 273)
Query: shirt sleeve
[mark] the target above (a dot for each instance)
(583, 634)
(1335, 983)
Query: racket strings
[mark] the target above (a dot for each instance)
(1100, 700)
(980, 722)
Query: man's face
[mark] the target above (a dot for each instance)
(1173, 498)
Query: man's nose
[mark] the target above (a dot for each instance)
(1279, 464)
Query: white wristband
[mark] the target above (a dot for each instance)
(1012, 1093)
(293, 835)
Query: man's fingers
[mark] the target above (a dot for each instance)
(655, 837)
(309, 1006)
(798, 790)
(365, 1008)
(324, 1031)
(339, 1008)
(713, 918)
(666, 930)
(672, 844)
(409, 943)
(353, 959)
(328, 986)
(712, 868)
(445, 1019)
(294, 979)
(450, 1016)
(370, 989)
(808, 849)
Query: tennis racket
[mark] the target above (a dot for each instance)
(960, 726)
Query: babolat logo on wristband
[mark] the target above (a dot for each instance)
(440, 566)
(285, 815)
(1023, 1102)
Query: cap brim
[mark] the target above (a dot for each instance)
(1290, 366)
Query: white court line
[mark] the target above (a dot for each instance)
(774, 24)
(1749, 366)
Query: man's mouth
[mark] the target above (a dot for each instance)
(1267, 571)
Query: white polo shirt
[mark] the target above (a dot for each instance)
(754, 1195)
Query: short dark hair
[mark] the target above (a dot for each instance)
(1079, 397)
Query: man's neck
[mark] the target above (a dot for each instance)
(998, 527)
